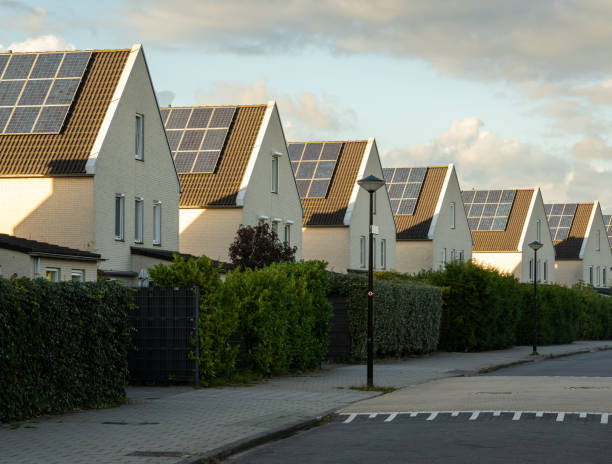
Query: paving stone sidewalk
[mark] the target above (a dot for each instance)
(172, 424)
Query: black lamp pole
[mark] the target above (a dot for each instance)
(371, 184)
(535, 246)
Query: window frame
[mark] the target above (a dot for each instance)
(77, 272)
(383, 253)
(362, 251)
(443, 259)
(138, 220)
(52, 271)
(139, 138)
(274, 186)
(591, 275)
(287, 234)
(120, 216)
(539, 230)
(157, 228)
(452, 215)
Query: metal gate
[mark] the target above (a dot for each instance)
(165, 325)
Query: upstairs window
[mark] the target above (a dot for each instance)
(119, 216)
(138, 216)
(452, 215)
(539, 231)
(598, 243)
(275, 174)
(139, 137)
(156, 223)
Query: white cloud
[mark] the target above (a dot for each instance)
(304, 115)
(592, 148)
(165, 97)
(42, 43)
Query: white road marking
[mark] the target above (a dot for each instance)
(372, 416)
(350, 418)
(560, 417)
(414, 414)
(391, 417)
(539, 413)
(517, 415)
(432, 416)
(474, 415)
(496, 413)
(455, 413)
(604, 418)
(583, 415)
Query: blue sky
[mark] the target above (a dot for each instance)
(515, 94)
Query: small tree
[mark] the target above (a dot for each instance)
(259, 246)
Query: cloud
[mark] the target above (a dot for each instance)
(592, 148)
(39, 44)
(517, 40)
(485, 160)
(304, 115)
(165, 97)
(31, 19)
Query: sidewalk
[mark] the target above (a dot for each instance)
(177, 424)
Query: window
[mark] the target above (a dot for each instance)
(52, 274)
(275, 227)
(362, 251)
(539, 270)
(598, 276)
(443, 259)
(139, 137)
(452, 215)
(453, 256)
(598, 244)
(531, 270)
(591, 275)
(78, 275)
(461, 256)
(539, 230)
(275, 174)
(156, 223)
(119, 216)
(138, 212)
(603, 277)
(288, 234)
(383, 254)
(545, 271)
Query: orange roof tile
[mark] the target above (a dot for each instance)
(66, 153)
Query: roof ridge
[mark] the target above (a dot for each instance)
(102, 50)
(329, 141)
(213, 106)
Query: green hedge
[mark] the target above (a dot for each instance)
(63, 346)
(485, 309)
(281, 312)
(406, 315)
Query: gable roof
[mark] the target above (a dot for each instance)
(570, 247)
(507, 240)
(67, 152)
(331, 210)
(416, 226)
(608, 224)
(35, 248)
(220, 188)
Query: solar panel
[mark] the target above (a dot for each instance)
(314, 165)
(488, 209)
(5, 114)
(36, 84)
(164, 115)
(197, 135)
(404, 187)
(560, 218)
(607, 221)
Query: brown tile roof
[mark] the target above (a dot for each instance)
(330, 211)
(570, 247)
(505, 240)
(220, 188)
(35, 248)
(416, 226)
(67, 152)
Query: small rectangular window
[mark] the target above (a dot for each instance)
(78, 275)
(119, 216)
(461, 256)
(157, 223)
(603, 278)
(539, 270)
(138, 217)
(591, 275)
(545, 271)
(383, 254)
(452, 215)
(275, 227)
(362, 251)
(598, 276)
(531, 270)
(598, 244)
(52, 274)
(275, 174)
(287, 234)
(539, 231)
(443, 259)
(139, 137)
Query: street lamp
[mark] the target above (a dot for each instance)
(535, 246)
(371, 184)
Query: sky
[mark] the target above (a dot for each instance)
(515, 93)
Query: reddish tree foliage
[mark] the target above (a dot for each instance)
(259, 246)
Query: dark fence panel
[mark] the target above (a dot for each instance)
(165, 322)
(340, 341)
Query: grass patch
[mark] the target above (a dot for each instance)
(383, 390)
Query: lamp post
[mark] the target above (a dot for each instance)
(371, 184)
(535, 246)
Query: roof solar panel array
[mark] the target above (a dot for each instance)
(488, 209)
(37, 90)
(404, 186)
(560, 218)
(197, 135)
(314, 165)
(608, 224)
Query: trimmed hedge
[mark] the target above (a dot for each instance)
(281, 313)
(406, 315)
(63, 346)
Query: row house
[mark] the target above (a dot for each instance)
(84, 160)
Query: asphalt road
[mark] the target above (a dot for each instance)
(481, 435)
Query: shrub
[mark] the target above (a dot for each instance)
(406, 314)
(284, 315)
(259, 246)
(218, 312)
(63, 346)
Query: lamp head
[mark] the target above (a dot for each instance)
(535, 245)
(371, 183)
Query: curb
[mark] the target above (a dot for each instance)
(223, 452)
